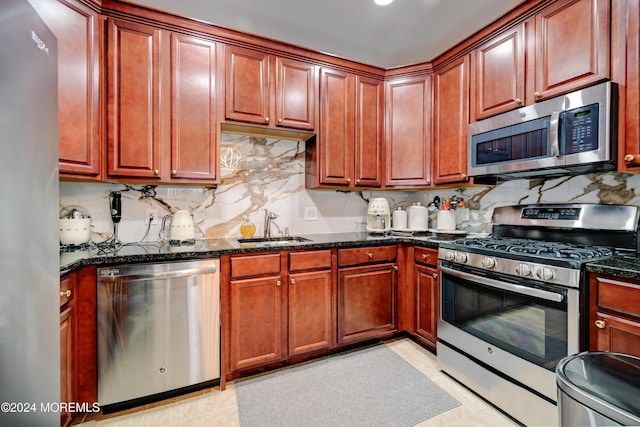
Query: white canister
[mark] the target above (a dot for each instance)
(446, 220)
(399, 219)
(417, 217)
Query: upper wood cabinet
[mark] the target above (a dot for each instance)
(77, 30)
(451, 117)
(408, 106)
(269, 90)
(162, 123)
(629, 71)
(347, 150)
(562, 48)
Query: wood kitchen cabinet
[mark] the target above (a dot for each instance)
(366, 293)
(629, 71)
(451, 117)
(162, 123)
(564, 47)
(269, 90)
(347, 149)
(408, 141)
(427, 296)
(77, 30)
(68, 345)
(614, 314)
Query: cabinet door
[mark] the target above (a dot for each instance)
(311, 312)
(408, 140)
(247, 85)
(427, 302)
(451, 120)
(629, 150)
(194, 128)
(498, 80)
(255, 317)
(572, 46)
(67, 359)
(366, 302)
(133, 121)
(369, 132)
(617, 334)
(336, 133)
(296, 84)
(76, 28)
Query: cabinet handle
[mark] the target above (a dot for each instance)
(293, 281)
(600, 324)
(463, 176)
(266, 119)
(518, 101)
(629, 158)
(174, 172)
(537, 95)
(395, 267)
(278, 283)
(156, 172)
(279, 120)
(370, 255)
(435, 275)
(425, 256)
(348, 179)
(67, 293)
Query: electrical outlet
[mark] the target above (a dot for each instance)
(311, 213)
(151, 216)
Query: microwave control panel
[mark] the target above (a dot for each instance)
(580, 129)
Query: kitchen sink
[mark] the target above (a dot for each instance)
(273, 241)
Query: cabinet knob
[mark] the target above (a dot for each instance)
(278, 283)
(518, 101)
(463, 176)
(395, 267)
(266, 119)
(425, 256)
(537, 95)
(293, 281)
(370, 255)
(348, 179)
(279, 120)
(600, 324)
(174, 172)
(66, 293)
(435, 275)
(629, 158)
(156, 172)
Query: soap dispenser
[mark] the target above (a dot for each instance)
(247, 228)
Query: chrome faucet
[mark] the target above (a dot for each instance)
(268, 217)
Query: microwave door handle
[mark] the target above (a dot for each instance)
(554, 125)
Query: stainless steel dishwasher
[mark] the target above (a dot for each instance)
(158, 328)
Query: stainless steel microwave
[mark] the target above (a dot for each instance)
(568, 134)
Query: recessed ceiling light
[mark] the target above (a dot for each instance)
(382, 2)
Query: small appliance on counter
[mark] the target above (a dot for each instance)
(181, 229)
(75, 226)
(378, 216)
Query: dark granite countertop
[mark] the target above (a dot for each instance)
(213, 248)
(625, 265)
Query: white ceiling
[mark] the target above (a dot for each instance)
(404, 32)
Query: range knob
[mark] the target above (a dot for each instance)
(523, 270)
(488, 262)
(450, 256)
(461, 257)
(545, 273)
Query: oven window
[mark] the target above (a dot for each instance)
(531, 328)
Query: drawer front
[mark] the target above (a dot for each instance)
(356, 256)
(426, 256)
(621, 297)
(67, 289)
(255, 265)
(310, 260)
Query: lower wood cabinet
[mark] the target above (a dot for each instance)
(68, 344)
(427, 296)
(614, 314)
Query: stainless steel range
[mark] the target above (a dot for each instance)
(511, 304)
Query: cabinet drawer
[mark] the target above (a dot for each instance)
(255, 265)
(617, 296)
(365, 255)
(426, 256)
(309, 260)
(67, 288)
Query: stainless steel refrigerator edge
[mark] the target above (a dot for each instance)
(29, 247)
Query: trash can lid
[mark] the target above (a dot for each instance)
(607, 382)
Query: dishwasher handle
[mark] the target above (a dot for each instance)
(113, 274)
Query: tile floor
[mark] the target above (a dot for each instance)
(212, 408)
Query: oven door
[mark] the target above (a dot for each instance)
(517, 327)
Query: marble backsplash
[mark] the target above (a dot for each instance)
(259, 173)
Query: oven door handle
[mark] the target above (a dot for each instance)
(519, 289)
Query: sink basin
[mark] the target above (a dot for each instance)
(273, 241)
